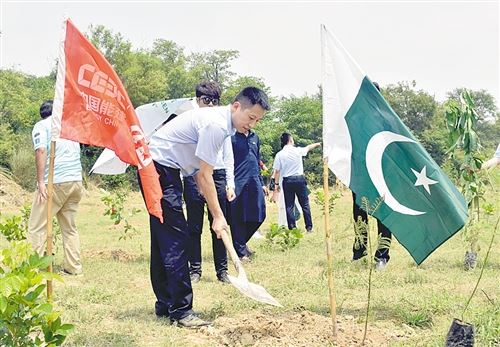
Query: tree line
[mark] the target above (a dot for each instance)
(167, 71)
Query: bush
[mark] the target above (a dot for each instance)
(27, 318)
(22, 164)
(283, 237)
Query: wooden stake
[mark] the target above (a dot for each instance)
(50, 190)
(328, 242)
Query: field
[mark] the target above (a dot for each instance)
(112, 303)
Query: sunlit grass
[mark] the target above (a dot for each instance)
(113, 303)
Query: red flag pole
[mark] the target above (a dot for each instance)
(50, 190)
(328, 242)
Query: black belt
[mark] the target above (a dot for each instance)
(295, 176)
(220, 171)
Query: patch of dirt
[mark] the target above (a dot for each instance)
(290, 329)
(114, 254)
(12, 196)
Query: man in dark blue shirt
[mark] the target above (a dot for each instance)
(248, 210)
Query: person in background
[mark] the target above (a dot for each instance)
(67, 193)
(495, 161)
(208, 95)
(359, 247)
(288, 165)
(248, 210)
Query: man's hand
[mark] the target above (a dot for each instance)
(275, 196)
(266, 191)
(230, 194)
(41, 193)
(218, 225)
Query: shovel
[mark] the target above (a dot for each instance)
(252, 290)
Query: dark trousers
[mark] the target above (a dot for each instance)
(195, 205)
(296, 186)
(241, 233)
(359, 247)
(169, 258)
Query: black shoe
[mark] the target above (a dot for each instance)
(309, 230)
(195, 278)
(223, 277)
(191, 321)
(245, 259)
(250, 252)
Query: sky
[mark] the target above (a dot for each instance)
(441, 45)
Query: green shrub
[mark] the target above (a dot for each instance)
(115, 209)
(27, 318)
(22, 165)
(283, 237)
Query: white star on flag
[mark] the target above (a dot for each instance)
(423, 180)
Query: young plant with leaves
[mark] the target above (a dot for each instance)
(27, 318)
(115, 203)
(282, 236)
(464, 151)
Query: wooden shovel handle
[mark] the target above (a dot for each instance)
(232, 252)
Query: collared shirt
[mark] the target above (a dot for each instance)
(246, 150)
(288, 161)
(67, 165)
(225, 160)
(195, 135)
(249, 205)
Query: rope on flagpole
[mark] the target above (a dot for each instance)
(328, 243)
(50, 190)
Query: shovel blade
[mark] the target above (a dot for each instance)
(253, 291)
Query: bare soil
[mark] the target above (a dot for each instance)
(290, 329)
(12, 196)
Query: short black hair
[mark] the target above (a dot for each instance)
(285, 138)
(376, 86)
(208, 88)
(46, 109)
(250, 96)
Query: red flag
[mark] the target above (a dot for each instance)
(92, 107)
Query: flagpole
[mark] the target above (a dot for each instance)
(328, 242)
(50, 190)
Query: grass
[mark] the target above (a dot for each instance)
(112, 304)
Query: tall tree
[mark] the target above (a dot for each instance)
(214, 65)
(415, 107)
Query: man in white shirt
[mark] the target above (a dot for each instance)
(288, 164)
(67, 192)
(494, 161)
(208, 95)
(190, 145)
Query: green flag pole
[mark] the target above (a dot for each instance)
(328, 242)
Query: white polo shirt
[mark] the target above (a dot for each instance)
(193, 135)
(67, 165)
(288, 161)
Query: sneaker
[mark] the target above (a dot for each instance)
(223, 278)
(195, 278)
(191, 321)
(309, 230)
(381, 264)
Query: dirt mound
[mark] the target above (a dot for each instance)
(12, 196)
(114, 254)
(291, 329)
